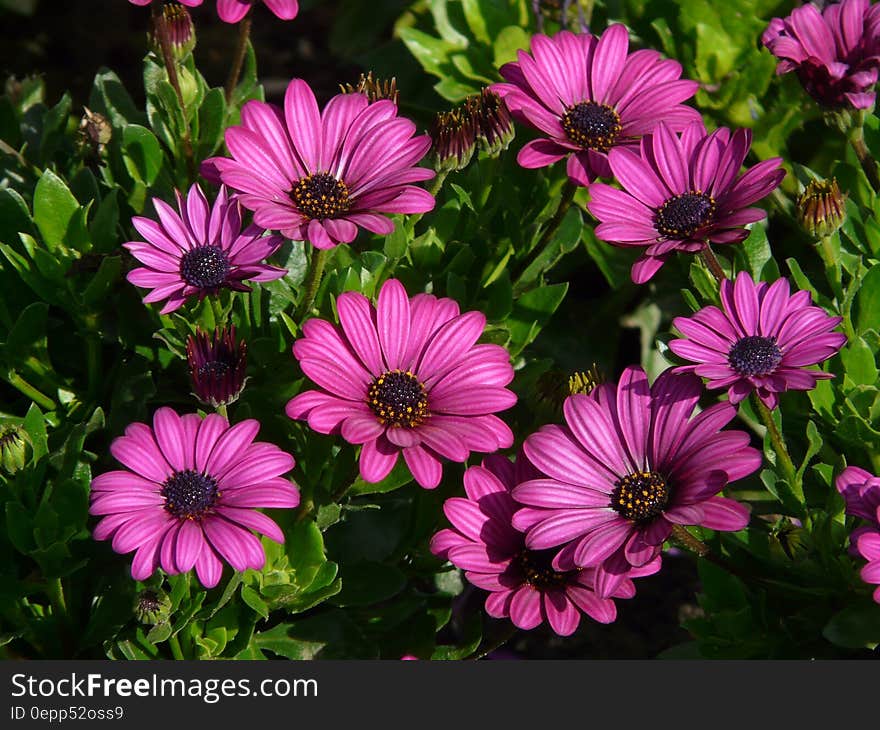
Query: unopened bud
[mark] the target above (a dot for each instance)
(374, 88)
(175, 23)
(495, 130)
(152, 606)
(454, 134)
(14, 443)
(217, 366)
(821, 208)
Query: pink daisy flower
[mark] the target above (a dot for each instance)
(763, 340)
(522, 583)
(590, 95)
(835, 53)
(187, 495)
(231, 11)
(404, 376)
(681, 193)
(629, 463)
(861, 490)
(197, 250)
(316, 175)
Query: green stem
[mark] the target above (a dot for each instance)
(711, 260)
(221, 410)
(784, 458)
(22, 385)
(832, 266)
(55, 592)
(217, 311)
(866, 160)
(433, 189)
(311, 284)
(244, 33)
(174, 644)
(552, 227)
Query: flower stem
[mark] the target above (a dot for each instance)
(868, 163)
(550, 230)
(174, 644)
(244, 32)
(832, 266)
(23, 386)
(55, 592)
(161, 31)
(683, 537)
(788, 467)
(711, 260)
(433, 189)
(311, 284)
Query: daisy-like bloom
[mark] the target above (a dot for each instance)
(522, 582)
(681, 193)
(835, 53)
(861, 490)
(404, 376)
(590, 95)
(763, 340)
(187, 495)
(316, 175)
(217, 366)
(199, 249)
(231, 11)
(631, 462)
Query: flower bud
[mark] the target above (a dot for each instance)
(175, 23)
(821, 208)
(454, 134)
(14, 443)
(374, 88)
(495, 129)
(93, 135)
(217, 366)
(152, 607)
(585, 382)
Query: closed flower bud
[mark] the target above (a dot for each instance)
(454, 134)
(374, 88)
(821, 208)
(176, 24)
(14, 443)
(495, 129)
(152, 607)
(217, 366)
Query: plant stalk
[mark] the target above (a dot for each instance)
(866, 160)
(711, 260)
(311, 284)
(244, 33)
(785, 461)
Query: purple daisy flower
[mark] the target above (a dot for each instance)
(762, 341)
(629, 463)
(861, 490)
(522, 583)
(835, 53)
(404, 376)
(681, 193)
(316, 175)
(186, 498)
(199, 250)
(590, 95)
(231, 11)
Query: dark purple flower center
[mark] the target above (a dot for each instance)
(682, 215)
(398, 398)
(755, 355)
(320, 196)
(538, 572)
(592, 126)
(214, 369)
(148, 601)
(189, 495)
(640, 496)
(205, 267)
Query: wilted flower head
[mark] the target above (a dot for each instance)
(681, 192)
(93, 135)
(763, 340)
(187, 495)
(631, 461)
(405, 376)
(835, 53)
(217, 365)
(821, 208)
(861, 490)
(198, 250)
(373, 87)
(174, 25)
(522, 582)
(318, 175)
(589, 95)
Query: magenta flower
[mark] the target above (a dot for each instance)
(317, 176)
(231, 11)
(589, 95)
(681, 193)
(835, 53)
(629, 464)
(404, 376)
(199, 250)
(188, 3)
(762, 341)
(522, 583)
(187, 495)
(861, 490)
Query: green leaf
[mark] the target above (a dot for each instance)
(212, 115)
(103, 229)
(365, 583)
(54, 209)
(532, 311)
(15, 217)
(867, 301)
(858, 360)
(103, 281)
(855, 627)
(396, 242)
(252, 599)
(399, 477)
(35, 425)
(142, 154)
